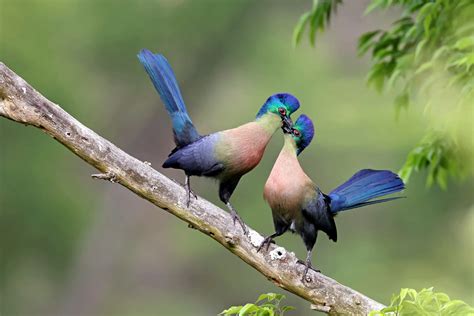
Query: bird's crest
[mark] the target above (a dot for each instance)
(274, 102)
(303, 132)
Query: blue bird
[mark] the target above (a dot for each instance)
(300, 206)
(226, 155)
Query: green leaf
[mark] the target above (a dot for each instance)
(287, 308)
(457, 307)
(419, 48)
(465, 42)
(247, 309)
(424, 67)
(299, 28)
(425, 10)
(263, 297)
(440, 52)
(427, 24)
(442, 298)
(271, 297)
(231, 310)
(365, 41)
(375, 4)
(403, 294)
(266, 312)
(316, 23)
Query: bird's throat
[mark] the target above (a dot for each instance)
(289, 147)
(270, 122)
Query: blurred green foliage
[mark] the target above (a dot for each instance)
(424, 302)
(407, 302)
(426, 57)
(318, 18)
(266, 305)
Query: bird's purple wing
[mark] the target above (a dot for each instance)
(197, 159)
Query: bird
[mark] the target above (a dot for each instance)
(299, 205)
(225, 155)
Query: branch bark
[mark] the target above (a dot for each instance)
(23, 104)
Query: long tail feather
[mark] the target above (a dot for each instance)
(164, 80)
(364, 186)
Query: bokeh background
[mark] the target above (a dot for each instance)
(74, 246)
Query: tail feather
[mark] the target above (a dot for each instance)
(164, 80)
(364, 186)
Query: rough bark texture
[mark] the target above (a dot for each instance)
(21, 103)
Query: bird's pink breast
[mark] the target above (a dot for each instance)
(243, 147)
(288, 186)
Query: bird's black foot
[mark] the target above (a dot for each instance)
(308, 266)
(189, 192)
(236, 218)
(267, 241)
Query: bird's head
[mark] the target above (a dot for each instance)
(302, 132)
(281, 104)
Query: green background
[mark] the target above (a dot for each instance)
(74, 246)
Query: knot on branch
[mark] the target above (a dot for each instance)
(278, 253)
(230, 239)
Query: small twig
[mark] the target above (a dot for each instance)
(109, 176)
(321, 308)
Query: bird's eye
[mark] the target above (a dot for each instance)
(296, 132)
(282, 111)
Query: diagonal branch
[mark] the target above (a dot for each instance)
(21, 103)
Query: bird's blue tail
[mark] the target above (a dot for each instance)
(364, 186)
(164, 80)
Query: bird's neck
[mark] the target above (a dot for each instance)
(270, 122)
(287, 165)
(289, 147)
(288, 186)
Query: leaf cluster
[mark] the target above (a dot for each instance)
(266, 305)
(425, 57)
(424, 302)
(428, 50)
(431, 37)
(439, 156)
(317, 19)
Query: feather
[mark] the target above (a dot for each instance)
(164, 80)
(364, 186)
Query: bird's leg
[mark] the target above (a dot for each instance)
(236, 217)
(267, 241)
(187, 187)
(308, 266)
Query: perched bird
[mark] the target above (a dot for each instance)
(299, 205)
(226, 155)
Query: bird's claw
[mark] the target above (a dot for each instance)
(308, 266)
(267, 241)
(236, 218)
(189, 192)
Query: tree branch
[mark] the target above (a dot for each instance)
(21, 103)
